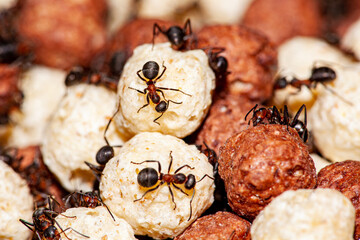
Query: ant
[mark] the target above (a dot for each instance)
(150, 71)
(175, 34)
(319, 75)
(272, 116)
(149, 177)
(44, 222)
(209, 153)
(85, 199)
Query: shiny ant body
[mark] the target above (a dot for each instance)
(319, 75)
(150, 71)
(219, 65)
(175, 34)
(272, 115)
(85, 199)
(153, 179)
(44, 222)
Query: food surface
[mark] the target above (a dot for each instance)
(307, 215)
(156, 210)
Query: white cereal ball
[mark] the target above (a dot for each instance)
(95, 223)
(119, 12)
(16, 203)
(164, 9)
(306, 214)
(75, 134)
(187, 71)
(296, 58)
(334, 120)
(43, 89)
(154, 215)
(320, 162)
(224, 12)
(350, 41)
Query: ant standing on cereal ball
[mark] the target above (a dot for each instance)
(176, 35)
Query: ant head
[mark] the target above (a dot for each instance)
(50, 233)
(147, 177)
(38, 213)
(191, 181)
(74, 76)
(176, 36)
(104, 154)
(322, 74)
(161, 107)
(150, 70)
(280, 83)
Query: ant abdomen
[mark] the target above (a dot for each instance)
(161, 107)
(190, 183)
(147, 177)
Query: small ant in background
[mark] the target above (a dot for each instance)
(150, 71)
(319, 75)
(272, 115)
(85, 199)
(149, 177)
(175, 34)
(44, 222)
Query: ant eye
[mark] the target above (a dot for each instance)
(161, 107)
(104, 155)
(150, 69)
(147, 177)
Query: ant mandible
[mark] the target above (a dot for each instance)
(150, 71)
(319, 75)
(149, 177)
(176, 35)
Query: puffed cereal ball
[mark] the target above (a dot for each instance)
(187, 71)
(164, 9)
(350, 41)
(96, 223)
(75, 134)
(154, 213)
(15, 202)
(306, 215)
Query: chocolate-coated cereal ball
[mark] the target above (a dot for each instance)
(260, 163)
(218, 226)
(251, 58)
(344, 177)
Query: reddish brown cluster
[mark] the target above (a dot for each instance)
(251, 59)
(344, 177)
(219, 226)
(63, 33)
(262, 162)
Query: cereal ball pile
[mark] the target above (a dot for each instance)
(186, 71)
(119, 12)
(75, 134)
(260, 163)
(162, 8)
(95, 223)
(43, 89)
(319, 162)
(251, 58)
(218, 226)
(344, 177)
(15, 202)
(306, 214)
(154, 213)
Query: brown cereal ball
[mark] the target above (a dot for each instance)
(344, 177)
(63, 33)
(251, 58)
(218, 226)
(283, 19)
(229, 111)
(136, 32)
(260, 163)
(10, 95)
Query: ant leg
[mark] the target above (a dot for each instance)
(156, 26)
(164, 69)
(192, 197)
(187, 26)
(112, 216)
(108, 125)
(70, 228)
(295, 119)
(333, 92)
(158, 118)
(27, 224)
(172, 195)
(170, 164)
(146, 104)
(179, 189)
(251, 110)
(174, 89)
(140, 75)
(159, 165)
(97, 170)
(142, 92)
(204, 177)
(150, 190)
(177, 170)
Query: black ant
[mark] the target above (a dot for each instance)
(272, 115)
(44, 222)
(149, 177)
(85, 199)
(175, 34)
(150, 71)
(319, 75)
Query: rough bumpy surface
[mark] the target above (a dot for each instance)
(218, 226)
(344, 177)
(250, 56)
(15, 202)
(96, 223)
(306, 215)
(187, 71)
(75, 134)
(262, 162)
(155, 214)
